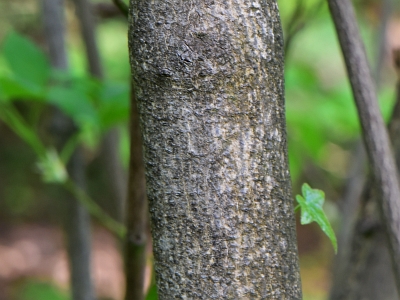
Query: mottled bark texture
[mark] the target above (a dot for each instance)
(76, 219)
(209, 83)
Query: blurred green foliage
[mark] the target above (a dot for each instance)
(94, 106)
(38, 290)
(322, 123)
(152, 293)
(320, 109)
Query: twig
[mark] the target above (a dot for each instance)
(374, 133)
(122, 7)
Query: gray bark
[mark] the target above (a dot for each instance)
(209, 84)
(77, 219)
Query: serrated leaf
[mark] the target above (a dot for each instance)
(27, 62)
(312, 211)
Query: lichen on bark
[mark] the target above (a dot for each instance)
(209, 84)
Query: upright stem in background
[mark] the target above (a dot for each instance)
(135, 247)
(110, 156)
(298, 21)
(361, 272)
(360, 245)
(137, 221)
(77, 220)
(88, 30)
(387, 7)
(374, 132)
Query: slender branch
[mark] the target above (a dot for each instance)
(122, 7)
(374, 133)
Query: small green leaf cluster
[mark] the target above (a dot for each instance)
(311, 203)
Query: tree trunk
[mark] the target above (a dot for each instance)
(210, 91)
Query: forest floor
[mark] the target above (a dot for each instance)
(33, 254)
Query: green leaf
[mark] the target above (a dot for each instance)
(311, 211)
(12, 89)
(26, 60)
(113, 104)
(73, 103)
